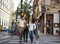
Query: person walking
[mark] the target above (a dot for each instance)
(25, 31)
(20, 25)
(36, 30)
(31, 28)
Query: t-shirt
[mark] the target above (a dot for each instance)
(32, 26)
(21, 22)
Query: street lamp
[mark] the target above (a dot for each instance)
(17, 10)
(21, 6)
(16, 13)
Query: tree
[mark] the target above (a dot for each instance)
(26, 10)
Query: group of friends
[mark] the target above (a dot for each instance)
(27, 27)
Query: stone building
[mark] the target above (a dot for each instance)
(35, 9)
(50, 17)
(4, 13)
(11, 12)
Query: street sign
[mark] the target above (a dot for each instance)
(43, 8)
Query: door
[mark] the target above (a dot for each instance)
(49, 24)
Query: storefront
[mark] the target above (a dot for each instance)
(52, 24)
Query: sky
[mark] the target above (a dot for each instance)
(16, 2)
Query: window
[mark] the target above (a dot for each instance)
(0, 1)
(0, 13)
(0, 5)
(56, 1)
(4, 22)
(59, 1)
(0, 21)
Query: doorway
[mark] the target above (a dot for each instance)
(49, 24)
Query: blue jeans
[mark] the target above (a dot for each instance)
(31, 35)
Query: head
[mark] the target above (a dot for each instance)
(30, 19)
(22, 17)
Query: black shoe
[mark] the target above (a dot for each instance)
(20, 42)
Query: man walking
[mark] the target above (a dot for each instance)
(25, 31)
(20, 25)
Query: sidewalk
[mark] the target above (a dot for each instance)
(46, 39)
(49, 39)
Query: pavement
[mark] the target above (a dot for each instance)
(3, 34)
(43, 39)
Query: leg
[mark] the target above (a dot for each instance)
(31, 36)
(26, 35)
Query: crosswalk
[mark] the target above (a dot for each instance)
(4, 39)
(15, 40)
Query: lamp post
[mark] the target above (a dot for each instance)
(16, 13)
(43, 9)
(17, 10)
(16, 20)
(17, 16)
(21, 6)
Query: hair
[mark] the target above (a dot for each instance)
(21, 16)
(33, 20)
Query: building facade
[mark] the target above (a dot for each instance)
(51, 17)
(11, 12)
(35, 9)
(4, 13)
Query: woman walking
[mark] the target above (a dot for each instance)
(36, 31)
(31, 27)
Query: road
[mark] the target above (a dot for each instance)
(43, 39)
